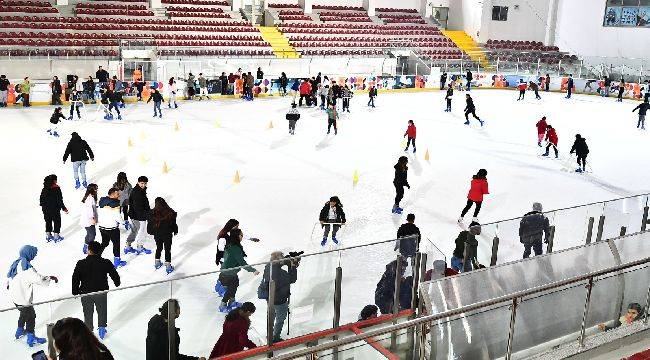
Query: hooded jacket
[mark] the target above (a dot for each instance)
(580, 147)
(158, 340)
(108, 214)
(385, 290)
(51, 200)
(22, 277)
(533, 227)
(400, 176)
(77, 149)
(139, 204)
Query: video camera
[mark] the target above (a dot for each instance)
(293, 258)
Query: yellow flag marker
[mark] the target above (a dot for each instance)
(143, 159)
(143, 135)
(217, 124)
(426, 155)
(236, 180)
(404, 143)
(270, 124)
(165, 168)
(130, 143)
(355, 177)
(176, 128)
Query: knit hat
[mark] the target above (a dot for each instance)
(537, 207)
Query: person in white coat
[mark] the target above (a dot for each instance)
(22, 278)
(88, 216)
(109, 222)
(172, 93)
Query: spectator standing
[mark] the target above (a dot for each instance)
(139, 212)
(203, 87)
(224, 83)
(533, 228)
(283, 84)
(283, 280)
(88, 216)
(51, 201)
(89, 89)
(91, 275)
(4, 90)
(26, 87)
(74, 340)
(163, 227)
(408, 247)
(109, 221)
(189, 88)
(469, 76)
(331, 217)
(385, 290)
(157, 343)
(569, 85)
(235, 332)
(56, 90)
(250, 85)
(79, 151)
(547, 83)
(102, 77)
(621, 90)
(22, 278)
(443, 80)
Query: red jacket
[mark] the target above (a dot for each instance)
(541, 126)
(410, 131)
(305, 88)
(551, 136)
(478, 189)
(233, 339)
(522, 86)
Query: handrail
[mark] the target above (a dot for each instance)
(461, 310)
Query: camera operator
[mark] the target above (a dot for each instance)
(283, 280)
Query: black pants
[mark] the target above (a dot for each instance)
(91, 232)
(537, 95)
(548, 147)
(537, 247)
(620, 95)
(165, 241)
(371, 101)
(89, 303)
(646, 97)
(473, 112)
(231, 282)
(399, 193)
(522, 94)
(442, 85)
(409, 142)
(346, 104)
(568, 93)
(330, 123)
(469, 205)
(306, 97)
(56, 98)
(27, 318)
(547, 87)
(125, 210)
(582, 160)
(448, 104)
(112, 235)
(52, 219)
(323, 100)
(75, 106)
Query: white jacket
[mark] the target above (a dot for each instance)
(88, 212)
(21, 287)
(109, 217)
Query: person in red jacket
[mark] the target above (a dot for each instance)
(235, 332)
(305, 91)
(410, 132)
(551, 137)
(479, 187)
(541, 130)
(522, 89)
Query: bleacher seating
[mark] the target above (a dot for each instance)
(29, 7)
(337, 7)
(284, 6)
(400, 16)
(526, 51)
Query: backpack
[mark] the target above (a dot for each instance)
(263, 290)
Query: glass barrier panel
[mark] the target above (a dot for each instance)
(510, 248)
(626, 213)
(571, 227)
(485, 242)
(634, 247)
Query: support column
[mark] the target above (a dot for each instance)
(62, 2)
(306, 5)
(370, 6)
(551, 23)
(236, 5)
(153, 4)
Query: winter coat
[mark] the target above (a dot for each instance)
(532, 227)
(407, 247)
(234, 258)
(400, 176)
(411, 131)
(51, 200)
(4, 84)
(385, 290)
(88, 212)
(260, 74)
(469, 76)
(283, 280)
(250, 81)
(78, 149)
(332, 114)
(522, 86)
(643, 108)
(305, 88)
(124, 193)
(580, 147)
(336, 91)
(569, 83)
(347, 93)
(108, 214)
(450, 93)
(21, 286)
(164, 229)
(26, 86)
(466, 239)
(202, 82)
(56, 118)
(158, 340)
(478, 188)
(56, 87)
(338, 209)
(139, 204)
(469, 105)
(293, 114)
(372, 92)
(118, 86)
(91, 275)
(443, 78)
(551, 136)
(156, 96)
(541, 126)
(234, 338)
(534, 86)
(283, 81)
(101, 76)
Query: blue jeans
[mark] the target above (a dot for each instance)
(79, 167)
(456, 263)
(113, 105)
(281, 312)
(156, 108)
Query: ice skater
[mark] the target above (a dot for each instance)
(541, 130)
(124, 186)
(233, 262)
(347, 95)
(449, 96)
(331, 217)
(75, 104)
(293, 115)
(582, 150)
(157, 101)
(522, 89)
(552, 139)
(79, 152)
(51, 201)
(643, 109)
(400, 180)
(139, 212)
(88, 215)
(443, 80)
(569, 86)
(110, 98)
(172, 93)
(332, 117)
(163, 227)
(410, 132)
(323, 91)
(470, 108)
(110, 219)
(372, 94)
(469, 76)
(478, 188)
(533, 86)
(621, 90)
(55, 119)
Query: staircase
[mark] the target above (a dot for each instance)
(280, 44)
(469, 46)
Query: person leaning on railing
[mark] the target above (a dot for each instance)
(158, 335)
(533, 228)
(283, 280)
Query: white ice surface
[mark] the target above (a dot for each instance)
(285, 180)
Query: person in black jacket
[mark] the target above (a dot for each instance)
(139, 212)
(224, 83)
(283, 84)
(408, 247)
(4, 90)
(643, 110)
(260, 73)
(400, 180)
(469, 76)
(163, 227)
(102, 76)
(55, 119)
(385, 290)
(112, 99)
(331, 216)
(465, 253)
(91, 275)
(157, 345)
(56, 91)
(621, 90)
(51, 202)
(582, 150)
(79, 151)
(470, 109)
(569, 86)
(157, 101)
(75, 103)
(547, 83)
(283, 280)
(372, 94)
(533, 229)
(449, 96)
(443, 80)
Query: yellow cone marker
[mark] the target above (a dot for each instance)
(130, 143)
(426, 155)
(270, 124)
(143, 135)
(355, 177)
(176, 128)
(404, 143)
(143, 159)
(236, 180)
(217, 124)
(165, 168)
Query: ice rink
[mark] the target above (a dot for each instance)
(285, 181)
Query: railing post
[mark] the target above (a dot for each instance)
(647, 306)
(171, 328)
(270, 313)
(623, 231)
(585, 313)
(337, 308)
(410, 332)
(398, 284)
(51, 351)
(495, 250)
(511, 332)
(551, 237)
(590, 230)
(601, 225)
(644, 221)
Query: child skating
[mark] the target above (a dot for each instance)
(157, 98)
(331, 217)
(400, 180)
(293, 115)
(470, 108)
(449, 96)
(551, 137)
(55, 119)
(332, 117)
(410, 132)
(541, 130)
(478, 188)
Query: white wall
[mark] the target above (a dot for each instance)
(466, 15)
(398, 4)
(580, 31)
(339, 2)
